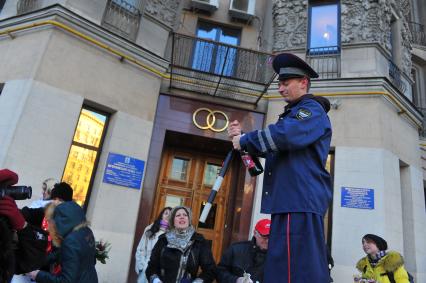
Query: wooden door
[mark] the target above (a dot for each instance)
(186, 178)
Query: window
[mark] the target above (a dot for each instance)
(179, 169)
(211, 171)
(324, 27)
(84, 154)
(213, 57)
(211, 217)
(173, 201)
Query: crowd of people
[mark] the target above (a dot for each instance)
(50, 240)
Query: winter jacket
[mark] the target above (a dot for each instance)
(165, 262)
(21, 251)
(296, 148)
(143, 253)
(240, 258)
(76, 254)
(391, 262)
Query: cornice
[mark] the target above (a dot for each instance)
(60, 14)
(363, 87)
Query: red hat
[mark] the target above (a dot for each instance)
(8, 177)
(263, 226)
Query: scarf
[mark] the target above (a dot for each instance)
(375, 261)
(164, 225)
(180, 240)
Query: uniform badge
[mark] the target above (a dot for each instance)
(303, 114)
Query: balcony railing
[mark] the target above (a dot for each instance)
(395, 76)
(219, 69)
(25, 6)
(418, 33)
(325, 61)
(122, 18)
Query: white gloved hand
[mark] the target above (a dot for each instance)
(157, 280)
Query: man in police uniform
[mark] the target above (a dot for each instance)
(296, 187)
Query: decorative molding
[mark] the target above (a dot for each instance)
(370, 21)
(366, 21)
(165, 11)
(362, 21)
(290, 24)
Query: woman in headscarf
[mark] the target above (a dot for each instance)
(179, 253)
(380, 265)
(149, 238)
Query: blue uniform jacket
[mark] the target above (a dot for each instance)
(296, 149)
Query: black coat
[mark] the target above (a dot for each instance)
(34, 216)
(239, 258)
(165, 261)
(25, 253)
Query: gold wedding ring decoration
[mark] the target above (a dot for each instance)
(210, 120)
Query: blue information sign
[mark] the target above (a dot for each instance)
(357, 198)
(124, 171)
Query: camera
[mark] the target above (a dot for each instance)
(16, 192)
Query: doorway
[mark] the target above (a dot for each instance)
(186, 178)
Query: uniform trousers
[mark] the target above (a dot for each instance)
(296, 250)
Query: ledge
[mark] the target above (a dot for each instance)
(60, 17)
(362, 87)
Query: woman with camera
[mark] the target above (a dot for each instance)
(22, 245)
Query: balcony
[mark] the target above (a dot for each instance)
(395, 76)
(25, 6)
(220, 70)
(325, 61)
(418, 33)
(122, 18)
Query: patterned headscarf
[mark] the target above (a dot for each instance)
(178, 238)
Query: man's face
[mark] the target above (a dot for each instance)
(292, 89)
(261, 240)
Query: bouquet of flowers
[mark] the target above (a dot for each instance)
(102, 250)
(359, 279)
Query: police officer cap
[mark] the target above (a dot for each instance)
(288, 66)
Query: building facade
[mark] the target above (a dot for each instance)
(89, 89)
